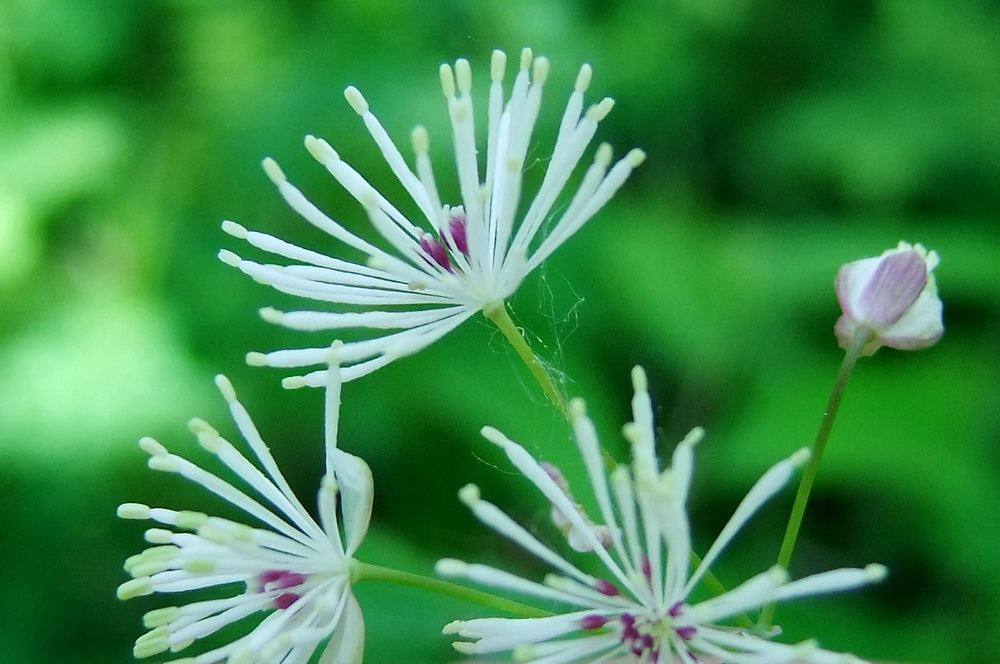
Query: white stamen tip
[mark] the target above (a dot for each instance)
(600, 110)
(583, 78)
(498, 65)
(463, 75)
(603, 155)
(293, 382)
(635, 157)
(166, 464)
(464, 647)
(577, 408)
(158, 536)
(225, 387)
(271, 315)
(152, 447)
(526, 57)
(800, 457)
(333, 357)
(356, 100)
(229, 258)
(694, 436)
(161, 617)
(273, 171)
(135, 588)
(639, 381)
(234, 229)
(450, 567)
(469, 494)
(320, 150)
(876, 572)
(255, 359)
(454, 627)
(493, 435)
(133, 511)
(540, 72)
(420, 139)
(447, 81)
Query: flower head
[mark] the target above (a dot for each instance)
(641, 610)
(893, 295)
(290, 566)
(459, 257)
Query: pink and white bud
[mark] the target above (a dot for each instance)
(895, 296)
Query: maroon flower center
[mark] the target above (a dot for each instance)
(644, 635)
(273, 580)
(440, 250)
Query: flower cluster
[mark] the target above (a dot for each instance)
(459, 258)
(640, 610)
(289, 566)
(420, 280)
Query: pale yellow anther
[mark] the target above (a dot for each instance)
(158, 536)
(271, 315)
(225, 387)
(583, 78)
(600, 110)
(152, 447)
(135, 588)
(540, 73)
(876, 572)
(151, 643)
(577, 408)
(160, 617)
(420, 139)
(356, 100)
(200, 427)
(463, 75)
(234, 229)
(273, 171)
(447, 81)
(255, 359)
(603, 155)
(190, 520)
(293, 382)
(164, 464)
(450, 567)
(493, 435)
(526, 57)
(498, 66)
(639, 381)
(199, 566)
(469, 494)
(229, 258)
(133, 511)
(800, 457)
(454, 627)
(320, 150)
(635, 157)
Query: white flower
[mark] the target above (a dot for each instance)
(640, 610)
(431, 275)
(289, 566)
(895, 296)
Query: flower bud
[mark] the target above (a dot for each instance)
(893, 295)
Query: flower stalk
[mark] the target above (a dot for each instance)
(498, 315)
(367, 572)
(863, 335)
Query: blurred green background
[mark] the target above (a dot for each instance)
(784, 139)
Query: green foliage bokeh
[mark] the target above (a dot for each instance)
(784, 139)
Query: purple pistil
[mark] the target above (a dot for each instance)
(436, 251)
(456, 224)
(280, 580)
(607, 588)
(592, 622)
(686, 633)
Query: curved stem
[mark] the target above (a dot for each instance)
(497, 314)
(862, 336)
(365, 572)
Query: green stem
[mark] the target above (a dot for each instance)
(497, 313)
(862, 336)
(365, 572)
